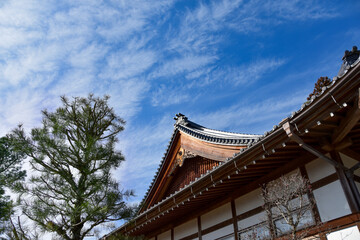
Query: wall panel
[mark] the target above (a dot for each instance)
(219, 233)
(165, 236)
(331, 201)
(249, 201)
(186, 229)
(216, 216)
(250, 221)
(319, 169)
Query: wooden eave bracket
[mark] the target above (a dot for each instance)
(345, 143)
(289, 131)
(351, 119)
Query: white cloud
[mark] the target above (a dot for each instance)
(263, 114)
(88, 56)
(199, 74)
(141, 163)
(248, 73)
(165, 96)
(298, 9)
(58, 47)
(188, 63)
(128, 64)
(201, 28)
(74, 82)
(129, 16)
(20, 106)
(13, 37)
(126, 96)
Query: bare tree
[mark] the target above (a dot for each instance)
(288, 206)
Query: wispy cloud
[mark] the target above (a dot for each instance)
(20, 106)
(185, 64)
(124, 64)
(247, 73)
(165, 96)
(192, 46)
(141, 164)
(202, 28)
(205, 75)
(243, 116)
(298, 10)
(74, 49)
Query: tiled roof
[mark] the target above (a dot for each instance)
(349, 58)
(206, 134)
(211, 135)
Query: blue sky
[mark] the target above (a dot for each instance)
(239, 66)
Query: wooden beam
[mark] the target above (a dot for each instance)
(235, 222)
(199, 227)
(345, 143)
(289, 131)
(346, 185)
(351, 119)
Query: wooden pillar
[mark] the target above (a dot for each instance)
(235, 222)
(347, 186)
(199, 227)
(172, 234)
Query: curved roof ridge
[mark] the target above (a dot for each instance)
(220, 132)
(212, 135)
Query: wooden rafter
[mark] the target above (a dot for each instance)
(348, 122)
(344, 143)
(289, 131)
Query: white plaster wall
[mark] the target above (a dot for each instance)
(331, 201)
(319, 169)
(250, 221)
(219, 233)
(186, 229)
(249, 201)
(165, 236)
(351, 233)
(216, 216)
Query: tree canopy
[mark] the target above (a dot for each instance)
(72, 155)
(10, 173)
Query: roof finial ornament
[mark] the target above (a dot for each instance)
(348, 59)
(181, 119)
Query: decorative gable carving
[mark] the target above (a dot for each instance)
(181, 156)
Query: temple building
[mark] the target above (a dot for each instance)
(209, 183)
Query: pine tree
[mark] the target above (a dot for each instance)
(10, 173)
(321, 82)
(72, 155)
